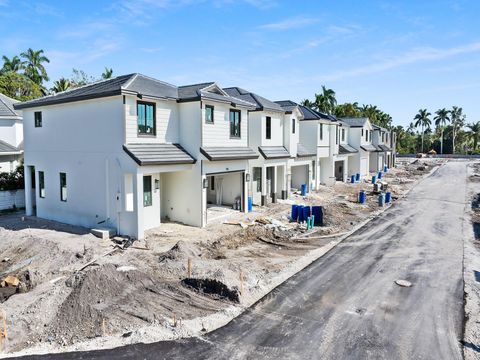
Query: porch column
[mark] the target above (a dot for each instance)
(264, 185)
(28, 190)
(309, 184)
(138, 200)
(274, 185)
(284, 182)
(288, 182)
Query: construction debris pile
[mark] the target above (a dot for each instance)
(62, 288)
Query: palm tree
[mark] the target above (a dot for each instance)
(60, 85)
(441, 118)
(474, 133)
(34, 68)
(14, 64)
(107, 73)
(457, 119)
(411, 128)
(422, 119)
(307, 103)
(326, 101)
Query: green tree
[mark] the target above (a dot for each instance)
(474, 134)
(307, 103)
(107, 73)
(423, 119)
(34, 68)
(457, 119)
(326, 101)
(19, 87)
(80, 78)
(14, 64)
(441, 119)
(60, 85)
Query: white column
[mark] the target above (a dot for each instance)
(28, 190)
(264, 185)
(138, 199)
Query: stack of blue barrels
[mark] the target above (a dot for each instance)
(313, 215)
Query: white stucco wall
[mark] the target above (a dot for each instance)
(11, 131)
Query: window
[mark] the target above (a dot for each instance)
(362, 132)
(41, 184)
(336, 134)
(257, 177)
(147, 190)
(212, 183)
(38, 118)
(146, 118)
(383, 136)
(63, 187)
(321, 131)
(268, 127)
(235, 123)
(313, 169)
(386, 137)
(293, 126)
(209, 114)
(366, 135)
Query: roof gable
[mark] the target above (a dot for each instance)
(6, 107)
(260, 102)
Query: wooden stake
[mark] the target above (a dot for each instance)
(241, 282)
(189, 267)
(104, 329)
(174, 320)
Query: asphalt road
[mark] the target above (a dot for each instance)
(346, 304)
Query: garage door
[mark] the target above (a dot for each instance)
(363, 166)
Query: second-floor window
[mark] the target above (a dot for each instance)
(41, 184)
(386, 137)
(366, 135)
(63, 187)
(293, 126)
(343, 134)
(146, 118)
(235, 120)
(209, 114)
(38, 118)
(321, 131)
(268, 127)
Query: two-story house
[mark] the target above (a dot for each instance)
(302, 163)
(11, 135)
(343, 150)
(383, 155)
(127, 152)
(267, 130)
(360, 136)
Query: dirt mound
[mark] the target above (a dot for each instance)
(181, 251)
(214, 288)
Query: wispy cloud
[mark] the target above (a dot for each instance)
(413, 56)
(292, 23)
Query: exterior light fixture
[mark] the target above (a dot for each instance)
(157, 184)
(205, 183)
(247, 177)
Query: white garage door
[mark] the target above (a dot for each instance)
(363, 166)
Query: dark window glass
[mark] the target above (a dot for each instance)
(268, 127)
(212, 183)
(366, 135)
(343, 134)
(313, 169)
(38, 118)
(41, 184)
(147, 190)
(257, 177)
(321, 131)
(362, 132)
(235, 122)
(209, 114)
(146, 118)
(293, 126)
(336, 134)
(63, 186)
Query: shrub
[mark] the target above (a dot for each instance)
(13, 180)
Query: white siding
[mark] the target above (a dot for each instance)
(9, 199)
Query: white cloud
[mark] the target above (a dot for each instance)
(413, 56)
(292, 23)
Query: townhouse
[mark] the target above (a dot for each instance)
(11, 135)
(383, 155)
(128, 152)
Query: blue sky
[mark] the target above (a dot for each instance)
(398, 55)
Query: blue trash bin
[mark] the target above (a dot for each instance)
(381, 199)
(317, 211)
(306, 212)
(250, 204)
(352, 179)
(294, 213)
(357, 177)
(385, 168)
(300, 218)
(388, 197)
(374, 179)
(362, 197)
(379, 175)
(304, 189)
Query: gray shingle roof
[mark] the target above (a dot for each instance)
(302, 151)
(228, 153)
(136, 83)
(158, 154)
(260, 102)
(6, 107)
(200, 91)
(346, 149)
(274, 152)
(384, 147)
(369, 147)
(355, 122)
(308, 114)
(287, 105)
(7, 148)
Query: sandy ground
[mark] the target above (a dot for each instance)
(472, 265)
(146, 293)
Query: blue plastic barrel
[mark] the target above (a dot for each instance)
(304, 189)
(300, 218)
(385, 168)
(317, 211)
(379, 175)
(250, 204)
(352, 180)
(374, 179)
(306, 212)
(381, 199)
(362, 197)
(388, 197)
(357, 177)
(294, 213)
